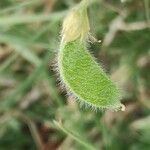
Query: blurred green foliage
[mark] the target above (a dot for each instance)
(36, 114)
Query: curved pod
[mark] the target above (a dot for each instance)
(84, 78)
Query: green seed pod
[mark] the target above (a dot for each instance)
(85, 78)
(79, 72)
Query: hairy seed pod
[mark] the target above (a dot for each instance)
(85, 78)
(79, 72)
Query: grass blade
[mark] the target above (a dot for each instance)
(76, 137)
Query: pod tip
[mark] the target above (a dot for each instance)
(122, 107)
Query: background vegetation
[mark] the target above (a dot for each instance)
(36, 114)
